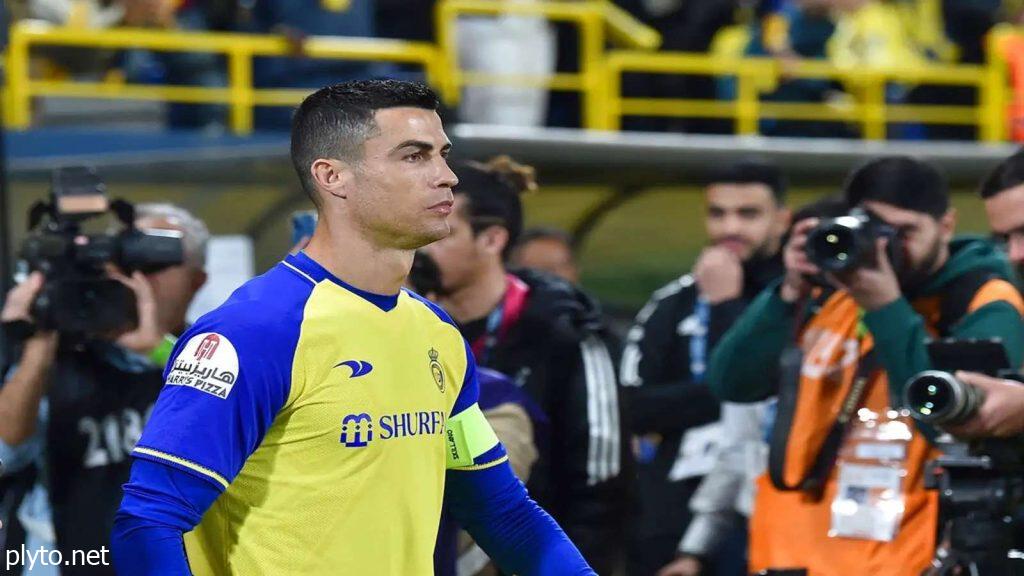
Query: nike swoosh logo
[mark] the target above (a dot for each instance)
(359, 367)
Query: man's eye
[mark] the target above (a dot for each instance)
(414, 157)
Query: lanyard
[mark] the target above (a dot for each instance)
(699, 340)
(502, 318)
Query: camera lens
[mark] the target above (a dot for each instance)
(834, 247)
(936, 397)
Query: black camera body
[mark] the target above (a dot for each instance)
(848, 242)
(79, 297)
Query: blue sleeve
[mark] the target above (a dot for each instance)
(160, 504)
(493, 506)
(227, 380)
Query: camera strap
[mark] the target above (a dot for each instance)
(957, 298)
(953, 306)
(817, 474)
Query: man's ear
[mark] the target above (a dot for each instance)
(493, 239)
(948, 224)
(332, 177)
(198, 280)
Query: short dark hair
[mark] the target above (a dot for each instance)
(335, 121)
(752, 171)
(902, 181)
(492, 192)
(546, 233)
(1009, 174)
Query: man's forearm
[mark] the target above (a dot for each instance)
(160, 504)
(23, 391)
(744, 364)
(142, 547)
(495, 509)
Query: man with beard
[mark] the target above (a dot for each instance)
(1002, 413)
(845, 484)
(663, 364)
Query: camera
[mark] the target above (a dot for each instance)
(79, 297)
(938, 398)
(848, 242)
(980, 483)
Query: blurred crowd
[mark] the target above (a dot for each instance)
(849, 33)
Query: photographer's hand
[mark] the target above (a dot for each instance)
(147, 335)
(872, 288)
(18, 304)
(1001, 415)
(798, 266)
(24, 387)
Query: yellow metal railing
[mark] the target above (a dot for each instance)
(239, 50)
(599, 78)
(598, 21)
(754, 76)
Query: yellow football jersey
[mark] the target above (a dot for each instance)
(328, 416)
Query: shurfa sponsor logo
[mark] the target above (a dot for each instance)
(359, 430)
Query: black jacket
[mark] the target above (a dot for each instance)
(562, 354)
(665, 400)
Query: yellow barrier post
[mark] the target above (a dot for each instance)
(747, 99)
(19, 100)
(446, 24)
(592, 68)
(240, 84)
(613, 101)
(873, 107)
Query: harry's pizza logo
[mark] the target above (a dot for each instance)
(208, 363)
(208, 347)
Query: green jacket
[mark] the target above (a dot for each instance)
(744, 365)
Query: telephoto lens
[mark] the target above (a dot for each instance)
(938, 398)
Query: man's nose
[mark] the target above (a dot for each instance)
(447, 177)
(732, 225)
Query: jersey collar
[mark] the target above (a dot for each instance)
(318, 273)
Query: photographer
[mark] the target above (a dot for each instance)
(845, 486)
(1001, 415)
(75, 406)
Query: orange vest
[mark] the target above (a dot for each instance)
(789, 529)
